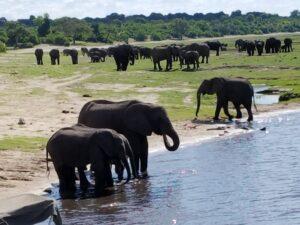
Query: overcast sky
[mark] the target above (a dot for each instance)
(15, 9)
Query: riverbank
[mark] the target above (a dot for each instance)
(25, 172)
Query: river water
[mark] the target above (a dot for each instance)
(253, 178)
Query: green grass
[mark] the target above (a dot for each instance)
(171, 88)
(27, 144)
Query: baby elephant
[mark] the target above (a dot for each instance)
(78, 146)
(39, 56)
(189, 57)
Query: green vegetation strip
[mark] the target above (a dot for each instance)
(22, 143)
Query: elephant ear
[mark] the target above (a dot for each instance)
(103, 141)
(217, 84)
(136, 119)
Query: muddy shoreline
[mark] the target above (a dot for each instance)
(22, 172)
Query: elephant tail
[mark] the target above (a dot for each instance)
(47, 165)
(254, 104)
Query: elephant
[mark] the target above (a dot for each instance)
(216, 46)
(39, 56)
(162, 53)
(84, 51)
(250, 46)
(78, 146)
(97, 54)
(122, 55)
(175, 52)
(189, 57)
(135, 120)
(288, 44)
(259, 46)
(240, 44)
(203, 50)
(145, 53)
(239, 91)
(272, 45)
(136, 52)
(73, 53)
(54, 55)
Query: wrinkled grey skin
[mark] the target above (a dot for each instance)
(39, 56)
(78, 146)
(73, 53)
(239, 91)
(259, 46)
(189, 57)
(97, 54)
(122, 55)
(54, 56)
(135, 120)
(162, 53)
(202, 49)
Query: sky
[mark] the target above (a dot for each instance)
(16, 9)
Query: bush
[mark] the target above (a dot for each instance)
(2, 47)
(156, 37)
(25, 45)
(57, 38)
(140, 36)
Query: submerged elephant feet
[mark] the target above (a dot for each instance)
(144, 174)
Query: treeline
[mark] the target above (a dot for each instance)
(118, 27)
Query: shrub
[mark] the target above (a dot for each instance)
(25, 45)
(57, 38)
(140, 36)
(2, 47)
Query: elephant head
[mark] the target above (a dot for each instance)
(212, 86)
(145, 118)
(131, 55)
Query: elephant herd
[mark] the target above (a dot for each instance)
(271, 45)
(109, 133)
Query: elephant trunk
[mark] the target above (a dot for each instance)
(174, 136)
(130, 154)
(126, 165)
(198, 102)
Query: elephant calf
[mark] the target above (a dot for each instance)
(189, 57)
(78, 146)
(54, 55)
(39, 56)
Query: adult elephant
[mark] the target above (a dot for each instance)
(136, 52)
(273, 45)
(239, 91)
(189, 57)
(97, 54)
(216, 46)
(39, 56)
(202, 49)
(84, 51)
(122, 55)
(54, 56)
(73, 53)
(145, 53)
(160, 54)
(135, 120)
(250, 46)
(78, 146)
(259, 46)
(288, 44)
(240, 44)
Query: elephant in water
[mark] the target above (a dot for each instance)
(162, 53)
(73, 53)
(54, 55)
(78, 146)
(135, 120)
(39, 56)
(122, 55)
(239, 91)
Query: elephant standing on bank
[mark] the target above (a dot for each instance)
(216, 46)
(135, 120)
(250, 46)
(239, 91)
(202, 49)
(189, 57)
(160, 54)
(39, 56)
(122, 55)
(288, 44)
(54, 55)
(272, 45)
(73, 53)
(259, 46)
(78, 146)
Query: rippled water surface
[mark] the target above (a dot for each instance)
(249, 179)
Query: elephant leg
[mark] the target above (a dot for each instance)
(100, 180)
(108, 176)
(218, 52)
(218, 109)
(154, 63)
(248, 108)
(62, 179)
(238, 110)
(206, 59)
(202, 59)
(159, 66)
(58, 61)
(119, 170)
(225, 108)
(144, 156)
(42, 62)
(84, 183)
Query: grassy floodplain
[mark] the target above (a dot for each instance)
(175, 90)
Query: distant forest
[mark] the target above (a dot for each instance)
(156, 27)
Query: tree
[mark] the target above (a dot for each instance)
(44, 27)
(236, 13)
(74, 28)
(295, 14)
(179, 27)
